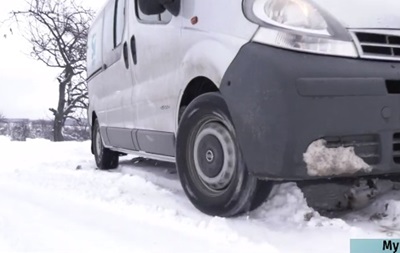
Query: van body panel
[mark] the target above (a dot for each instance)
(94, 69)
(153, 95)
(96, 103)
(280, 100)
(211, 45)
(137, 102)
(118, 79)
(208, 57)
(382, 14)
(222, 17)
(119, 137)
(154, 142)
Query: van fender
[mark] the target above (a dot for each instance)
(209, 58)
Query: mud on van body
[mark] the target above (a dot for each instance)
(243, 93)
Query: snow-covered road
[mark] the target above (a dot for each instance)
(53, 200)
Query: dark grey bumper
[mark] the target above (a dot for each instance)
(281, 101)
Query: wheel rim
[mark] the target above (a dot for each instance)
(215, 156)
(99, 143)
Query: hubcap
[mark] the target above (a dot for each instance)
(214, 156)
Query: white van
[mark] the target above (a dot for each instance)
(242, 93)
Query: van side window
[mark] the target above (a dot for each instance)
(108, 30)
(113, 30)
(162, 18)
(119, 22)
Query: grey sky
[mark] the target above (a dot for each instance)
(27, 87)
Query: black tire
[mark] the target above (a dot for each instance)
(106, 159)
(211, 169)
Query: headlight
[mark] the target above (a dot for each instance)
(298, 25)
(291, 14)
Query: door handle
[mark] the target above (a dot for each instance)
(126, 57)
(133, 49)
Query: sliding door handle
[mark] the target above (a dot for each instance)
(126, 57)
(133, 49)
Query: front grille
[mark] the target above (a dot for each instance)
(365, 146)
(378, 44)
(396, 147)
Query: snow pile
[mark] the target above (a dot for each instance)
(286, 204)
(361, 194)
(385, 211)
(324, 161)
(289, 206)
(391, 215)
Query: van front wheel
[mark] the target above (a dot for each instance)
(210, 165)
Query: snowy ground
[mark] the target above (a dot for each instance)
(53, 200)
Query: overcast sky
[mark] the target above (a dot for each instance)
(27, 87)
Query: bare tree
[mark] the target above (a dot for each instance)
(57, 31)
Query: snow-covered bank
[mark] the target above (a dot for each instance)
(53, 199)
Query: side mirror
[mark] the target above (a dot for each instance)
(151, 7)
(154, 7)
(173, 6)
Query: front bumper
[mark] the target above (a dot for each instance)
(281, 101)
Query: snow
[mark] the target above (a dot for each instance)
(54, 200)
(324, 161)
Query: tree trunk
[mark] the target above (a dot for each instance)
(58, 126)
(59, 114)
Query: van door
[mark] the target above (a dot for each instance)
(117, 77)
(155, 39)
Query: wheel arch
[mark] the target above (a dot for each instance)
(196, 87)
